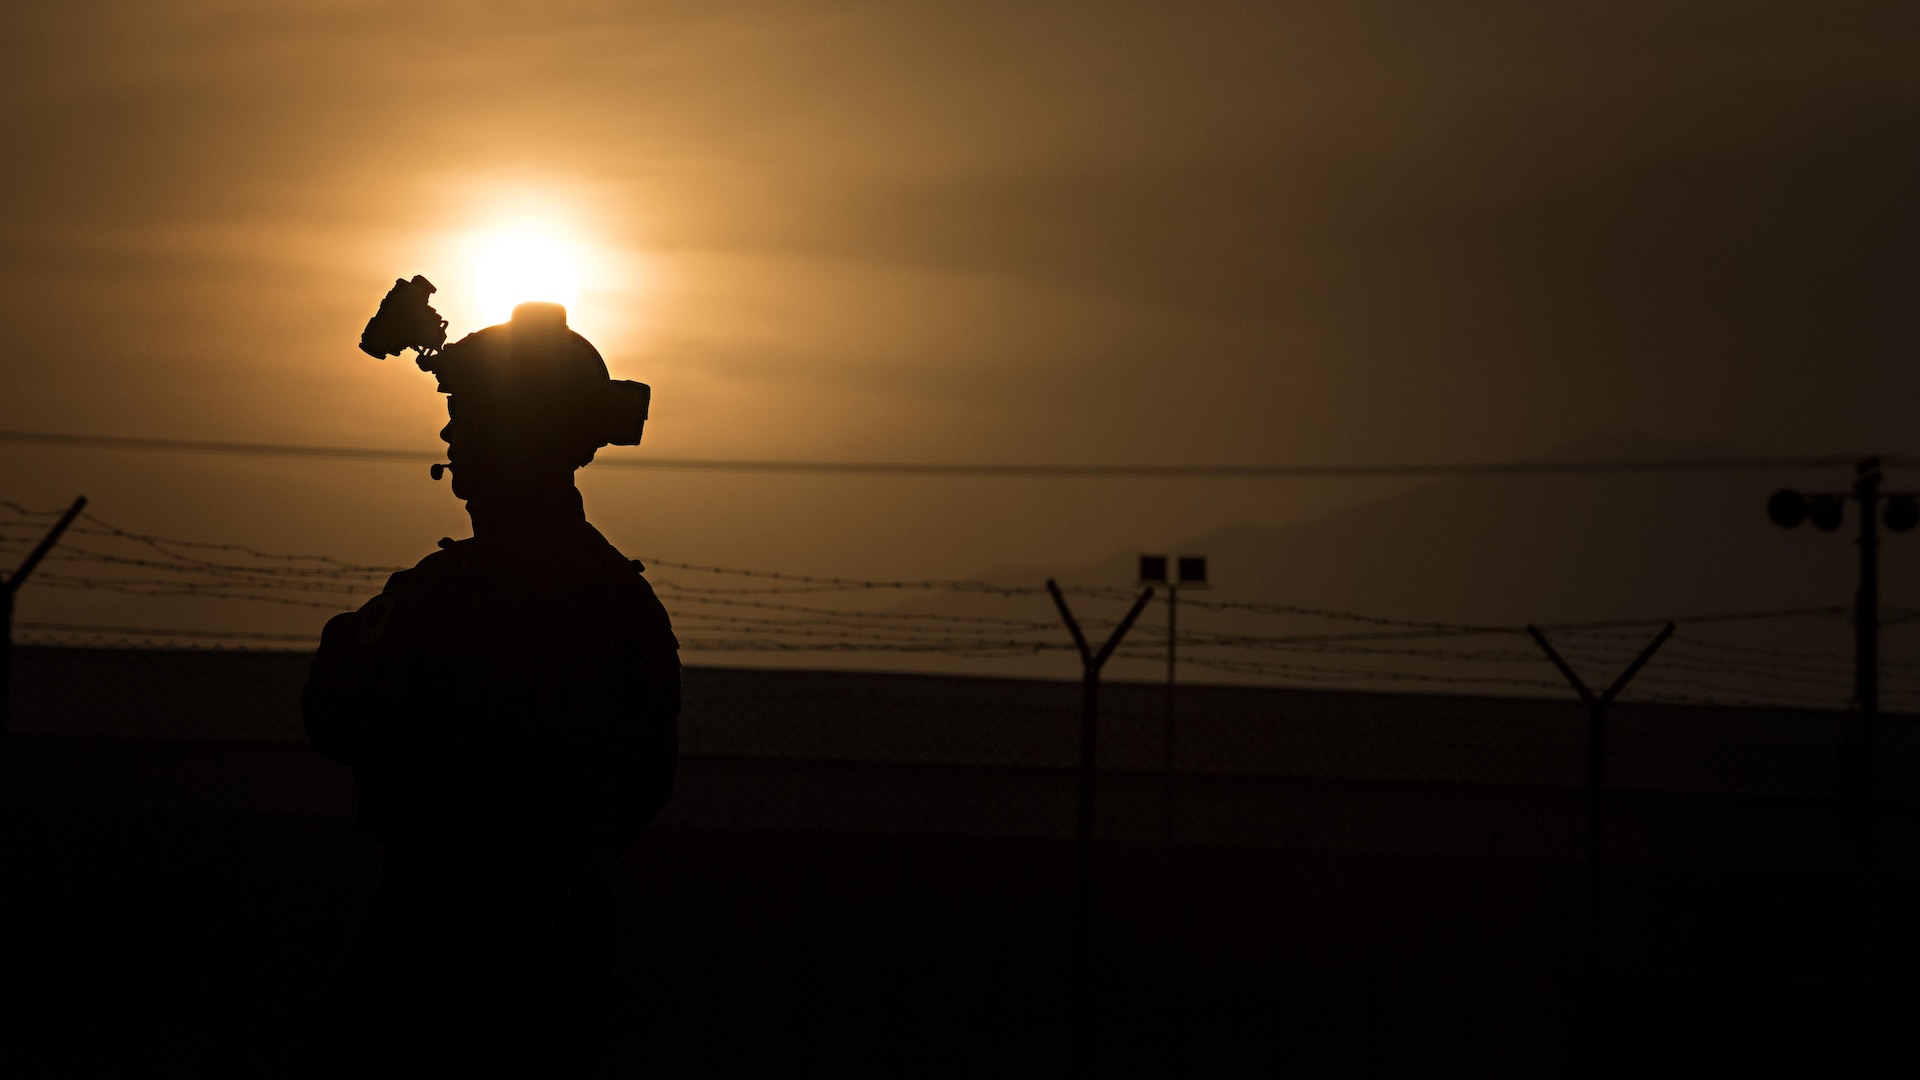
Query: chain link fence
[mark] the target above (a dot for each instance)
(839, 751)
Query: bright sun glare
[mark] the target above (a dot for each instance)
(517, 267)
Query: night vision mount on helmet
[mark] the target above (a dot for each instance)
(406, 320)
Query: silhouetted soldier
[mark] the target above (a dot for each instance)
(509, 708)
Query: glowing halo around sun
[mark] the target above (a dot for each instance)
(515, 267)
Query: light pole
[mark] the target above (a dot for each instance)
(1189, 571)
(1858, 781)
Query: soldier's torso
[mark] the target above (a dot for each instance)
(508, 705)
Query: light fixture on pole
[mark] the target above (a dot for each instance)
(1827, 510)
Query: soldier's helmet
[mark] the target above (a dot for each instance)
(531, 395)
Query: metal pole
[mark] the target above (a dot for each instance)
(1596, 804)
(7, 591)
(1083, 856)
(1166, 763)
(6, 679)
(1861, 788)
(1866, 637)
(1596, 808)
(1090, 665)
(45, 545)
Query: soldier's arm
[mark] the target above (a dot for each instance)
(659, 758)
(658, 746)
(356, 703)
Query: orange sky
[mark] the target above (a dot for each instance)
(1019, 232)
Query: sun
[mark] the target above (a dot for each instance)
(515, 267)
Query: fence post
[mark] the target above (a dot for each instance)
(1596, 787)
(7, 590)
(1090, 665)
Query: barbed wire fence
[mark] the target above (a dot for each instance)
(726, 610)
(1460, 705)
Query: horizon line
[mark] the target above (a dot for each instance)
(1005, 470)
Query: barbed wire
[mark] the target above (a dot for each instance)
(98, 527)
(984, 620)
(228, 584)
(1514, 656)
(156, 632)
(1653, 687)
(984, 587)
(1003, 469)
(63, 581)
(266, 575)
(1796, 654)
(1690, 691)
(851, 623)
(754, 590)
(1266, 608)
(883, 636)
(953, 648)
(1360, 675)
(760, 616)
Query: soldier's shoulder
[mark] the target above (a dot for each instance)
(608, 560)
(455, 562)
(475, 560)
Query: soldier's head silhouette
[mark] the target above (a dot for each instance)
(528, 401)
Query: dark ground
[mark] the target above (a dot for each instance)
(869, 874)
(191, 943)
